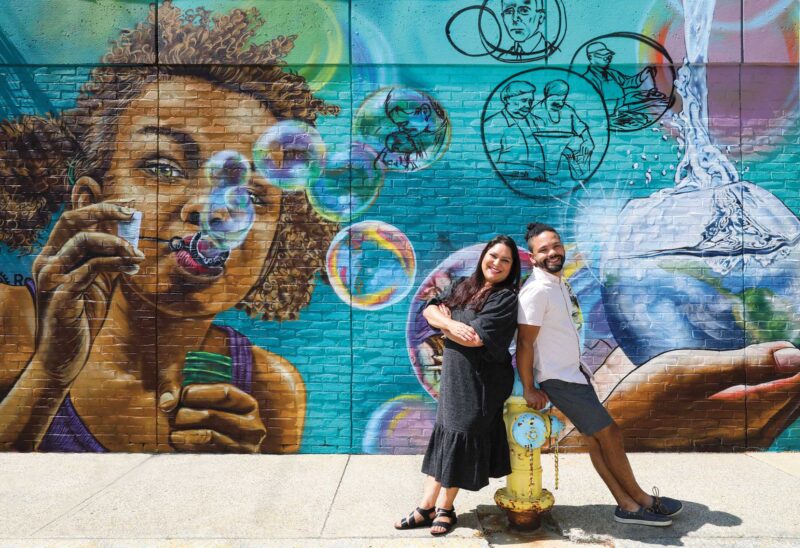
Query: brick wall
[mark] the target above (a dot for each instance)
(421, 129)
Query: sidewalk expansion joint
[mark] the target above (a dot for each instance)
(85, 501)
(333, 500)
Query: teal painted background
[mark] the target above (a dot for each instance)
(356, 363)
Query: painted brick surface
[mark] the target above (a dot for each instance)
(370, 146)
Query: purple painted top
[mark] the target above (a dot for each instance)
(68, 433)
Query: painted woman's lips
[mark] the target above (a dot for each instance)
(186, 260)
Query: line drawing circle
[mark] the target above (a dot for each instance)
(550, 47)
(456, 15)
(499, 172)
(649, 42)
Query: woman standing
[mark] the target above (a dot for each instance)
(468, 445)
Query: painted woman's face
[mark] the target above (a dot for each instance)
(167, 140)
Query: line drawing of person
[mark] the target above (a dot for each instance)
(510, 134)
(421, 130)
(626, 97)
(523, 21)
(565, 137)
(103, 331)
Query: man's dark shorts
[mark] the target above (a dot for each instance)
(579, 402)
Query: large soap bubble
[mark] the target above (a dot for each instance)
(371, 265)
(349, 185)
(400, 426)
(228, 214)
(409, 128)
(290, 154)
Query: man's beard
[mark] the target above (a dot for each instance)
(554, 268)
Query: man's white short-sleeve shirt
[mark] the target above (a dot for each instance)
(544, 301)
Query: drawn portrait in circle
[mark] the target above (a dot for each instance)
(409, 128)
(511, 31)
(545, 131)
(636, 97)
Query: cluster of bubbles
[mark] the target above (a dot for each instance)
(229, 213)
(292, 155)
(371, 265)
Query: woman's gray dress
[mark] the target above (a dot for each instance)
(468, 444)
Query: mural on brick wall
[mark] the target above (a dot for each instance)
(222, 236)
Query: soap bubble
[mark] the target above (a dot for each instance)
(401, 425)
(409, 128)
(349, 185)
(371, 265)
(290, 154)
(228, 214)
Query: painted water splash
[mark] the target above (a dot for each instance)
(740, 222)
(703, 164)
(688, 265)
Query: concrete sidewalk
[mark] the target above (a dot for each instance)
(342, 501)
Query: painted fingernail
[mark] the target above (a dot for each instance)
(786, 360)
(167, 401)
(138, 253)
(127, 210)
(131, 270)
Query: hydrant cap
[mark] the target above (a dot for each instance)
(529, 430)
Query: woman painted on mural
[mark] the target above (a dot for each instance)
(94, 350)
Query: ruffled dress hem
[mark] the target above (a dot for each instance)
(467, 460)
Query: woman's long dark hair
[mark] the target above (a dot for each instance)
(472, 292)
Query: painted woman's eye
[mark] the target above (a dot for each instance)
(256, 199)
(161, 167)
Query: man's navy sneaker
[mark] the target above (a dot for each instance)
(643, 516)
(665, 506)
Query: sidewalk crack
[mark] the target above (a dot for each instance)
(85, 501)
(335, 494)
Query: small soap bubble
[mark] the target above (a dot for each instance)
(290, 155)
(349, 185)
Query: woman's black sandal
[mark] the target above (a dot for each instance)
(411, 521)
(441, 512)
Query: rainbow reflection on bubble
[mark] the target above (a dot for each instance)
(371, 265)
(290, 155)
(228, 214)
(349, 185)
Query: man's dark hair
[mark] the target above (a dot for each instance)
(534, 229)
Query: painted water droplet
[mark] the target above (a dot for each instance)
(635, 165)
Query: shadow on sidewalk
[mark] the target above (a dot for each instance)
(595, 523)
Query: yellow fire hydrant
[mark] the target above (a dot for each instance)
(523, 498)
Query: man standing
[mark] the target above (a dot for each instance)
(548, 347)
